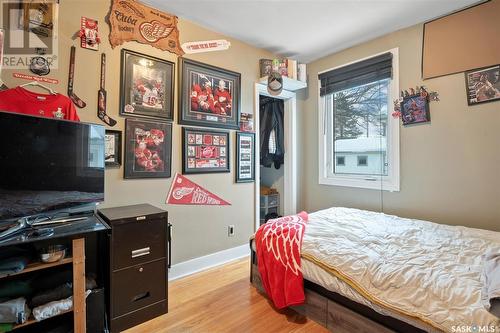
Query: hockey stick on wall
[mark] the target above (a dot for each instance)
(101, 97)
(71, 80)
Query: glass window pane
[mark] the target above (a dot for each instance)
(360, 117)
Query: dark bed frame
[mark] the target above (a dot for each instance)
(336, 312)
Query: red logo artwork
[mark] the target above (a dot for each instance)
(185, 192)
(154, 31)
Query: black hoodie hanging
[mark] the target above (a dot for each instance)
(272, 149)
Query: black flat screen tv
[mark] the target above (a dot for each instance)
(48, 165)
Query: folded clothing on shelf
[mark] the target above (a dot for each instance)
(14, 311)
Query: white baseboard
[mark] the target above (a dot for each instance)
(212, 260)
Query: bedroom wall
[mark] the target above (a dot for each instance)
(198, 231)
(449, 167)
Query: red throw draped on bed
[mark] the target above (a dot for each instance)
(278, 244)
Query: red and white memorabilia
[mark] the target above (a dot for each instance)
(89, 34)
(101, 96)
(185, 192)
(206, 46)
(148, 149)
(20, 100)
(35, 78)
(71, 81)
(205, 151)
(133, 21)
(278, 243)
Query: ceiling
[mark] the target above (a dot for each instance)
(307, 30)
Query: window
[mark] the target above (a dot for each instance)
(359, 141)
(362, 160)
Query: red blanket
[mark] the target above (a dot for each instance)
(278, 244)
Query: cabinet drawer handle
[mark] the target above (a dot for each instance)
(141, 296)
(141, 252)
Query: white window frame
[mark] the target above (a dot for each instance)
(391, 182)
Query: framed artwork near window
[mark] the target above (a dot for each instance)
(209, 96)
(245, 157)
(415, 109)
(113, 148)
(204, 151)
(483, 85)
(148, 149)
(147, 86)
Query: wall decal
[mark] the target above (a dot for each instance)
(132, 21)
(185, 192)
(89, 34)
(206, 46)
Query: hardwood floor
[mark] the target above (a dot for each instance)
(223, 300)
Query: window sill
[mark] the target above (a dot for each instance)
(367, 182)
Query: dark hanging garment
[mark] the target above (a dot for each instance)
(272, 148)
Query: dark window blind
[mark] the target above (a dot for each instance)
(357, 74)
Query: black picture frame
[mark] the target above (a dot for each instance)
(140, 81)
(195, 106)
(202, 147)
(148, 149)
(245, 157)
(113, 148)
(483, 85)
(415, 109)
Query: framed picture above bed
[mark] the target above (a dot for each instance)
(204, 151)
(245, 157)
(209, 96)
(147, 86)
(483, 85)
(148, 149)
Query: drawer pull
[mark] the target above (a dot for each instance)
(141, 252)
(140, 218)
(141, 297)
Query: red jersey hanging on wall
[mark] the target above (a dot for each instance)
(20, 100)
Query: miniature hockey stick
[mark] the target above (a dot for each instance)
(101, 97)
(71, 80)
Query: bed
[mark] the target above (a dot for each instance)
(371, 272)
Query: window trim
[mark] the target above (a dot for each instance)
(391, 182)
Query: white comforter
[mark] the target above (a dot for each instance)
(418, 269)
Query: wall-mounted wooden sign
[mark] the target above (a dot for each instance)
(132, 21)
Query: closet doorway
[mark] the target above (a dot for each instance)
(285, 178)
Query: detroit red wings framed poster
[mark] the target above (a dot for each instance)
(148, 149)
(209, 96)
(147, 86)
(204, 151)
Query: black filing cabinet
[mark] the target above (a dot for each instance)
(139, 247)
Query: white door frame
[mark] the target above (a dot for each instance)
(290, 164)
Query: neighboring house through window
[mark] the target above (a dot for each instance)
(359, 143)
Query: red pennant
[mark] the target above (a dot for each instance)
(185, 192)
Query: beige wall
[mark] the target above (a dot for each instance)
(197, 231)
(449, 168)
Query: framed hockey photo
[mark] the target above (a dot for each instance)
(483, 85)
(204, 151)
(148, 149)
(113, 148)
(245, 157)
(415, 109)
(147, 86)
(209, 96)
